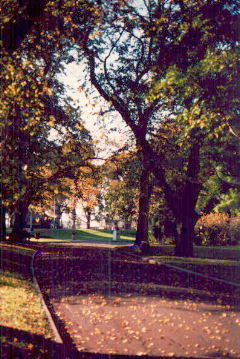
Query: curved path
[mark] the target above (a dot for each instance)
(108, 304)
(114, 304)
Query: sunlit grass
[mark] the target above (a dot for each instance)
(20, 306)
(91, 235)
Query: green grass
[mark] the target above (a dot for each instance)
(91, 235)
(196, 261)
(214, 252)
(20, 306)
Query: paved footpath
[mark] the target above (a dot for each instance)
(114, 304)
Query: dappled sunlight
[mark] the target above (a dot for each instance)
(83, 235)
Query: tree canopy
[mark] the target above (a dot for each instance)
(163, 65)
(156, 59)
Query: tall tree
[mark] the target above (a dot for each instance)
(42, 138)
(32, 38)
(179, 53)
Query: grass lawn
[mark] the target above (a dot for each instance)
(22, 316)
(60, 235)
(196, 261)
(225, 269)
(214, 252)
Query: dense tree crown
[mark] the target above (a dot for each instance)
(154, 60)
(169, 68)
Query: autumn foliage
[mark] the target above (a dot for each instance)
(217, 229)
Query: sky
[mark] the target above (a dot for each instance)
(100, 127)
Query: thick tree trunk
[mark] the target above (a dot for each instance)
(185, 235)
(183, 205)
(187, 216)
(2, 223)
(19, 222)
(145, 194)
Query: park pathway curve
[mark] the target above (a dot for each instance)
(111, 304)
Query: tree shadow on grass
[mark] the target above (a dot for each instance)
(19, 344)
(71, 269)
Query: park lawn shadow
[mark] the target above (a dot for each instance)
(21, 344)
(74, 268)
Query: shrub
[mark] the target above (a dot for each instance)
(213, 229)
(234, 228)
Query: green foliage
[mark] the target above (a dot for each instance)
(230, 203)
(42, 139)
(120, 187)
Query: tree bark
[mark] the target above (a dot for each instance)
(187, 216)
(183, 205)
(88, 220)
(144, 198)
(2, 222)
(74, 217)
(88, 213)
(19, 221)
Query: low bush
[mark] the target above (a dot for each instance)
(217, 229)
(234, 228)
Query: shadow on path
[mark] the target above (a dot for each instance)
(19, 344)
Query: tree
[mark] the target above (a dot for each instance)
(32, 158)
(17, 19)
(32, 103)
(87, 191)
(120, 187)
(159, 58)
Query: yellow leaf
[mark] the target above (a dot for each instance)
(30, 346)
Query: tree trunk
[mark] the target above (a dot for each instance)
(19, 222)
(88, 215)
(185, 235)
(145, 194)
(58, 215)
(187, 216)
(2, 223)
(74, 218)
